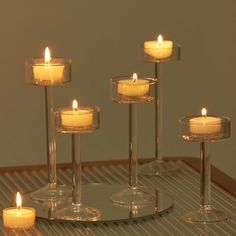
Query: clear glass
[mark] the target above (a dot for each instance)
(159, 166)
(88, 119)
(124, 90)
(134, 194)
(192, 129)
(75, 122)
(196, 129)
(56, 72)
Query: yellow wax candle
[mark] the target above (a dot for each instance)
(133, 87)
(48, 72)
(18, 217)
(159, 49)
(205, 125)
(76, 117)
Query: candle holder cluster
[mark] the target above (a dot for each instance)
(158, 52)
(76, 120)
(205, 129)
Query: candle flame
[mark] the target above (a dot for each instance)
(47, 56)
(75, 104)
(160, 39)
(135, 77)
(204, 112)
(18, 200)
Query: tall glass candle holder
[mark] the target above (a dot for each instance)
(75, 121)
(131, 91)
(49, 72)
(205, 129)
(157, 52)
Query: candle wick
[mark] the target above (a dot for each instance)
(18, 208)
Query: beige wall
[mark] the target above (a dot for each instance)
(103, 38)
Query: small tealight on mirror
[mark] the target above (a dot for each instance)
(18, 217)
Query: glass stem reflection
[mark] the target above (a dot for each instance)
(76, 169)
(133, 145)
(205, 176)
(50, 136)
(158, 113)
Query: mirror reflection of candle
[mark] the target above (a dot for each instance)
(18, 217)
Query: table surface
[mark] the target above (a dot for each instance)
(183, 187)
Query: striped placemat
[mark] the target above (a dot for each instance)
(184, 188)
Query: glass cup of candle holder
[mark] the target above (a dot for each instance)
(204, 134)
(123, 91)
(56, 72)
(150, 54)
(76, 122)
(126, 91)
(154, 55)
(66, 124)
(40, 73)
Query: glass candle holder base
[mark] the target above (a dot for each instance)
(78, 212)
(51, 192)
(133, 196)
(205, 216)
(159, 168)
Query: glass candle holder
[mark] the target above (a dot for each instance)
(157, 52)
(48, 73)
(131, 91)
(75, 121)
(205, 129)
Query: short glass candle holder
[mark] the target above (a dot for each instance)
(75, 121)
(55, 72)
(134, 89)
(205, 129)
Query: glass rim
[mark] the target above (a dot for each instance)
(117, 79)
(54, 59)
(223, 119)
(174, 45)
(93, 109)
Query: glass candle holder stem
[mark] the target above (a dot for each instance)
(205, 176)
(76, 169)
(50, 136)
(158, 113)
(133, 145)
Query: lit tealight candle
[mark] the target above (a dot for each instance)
(133, 87)
(205, 125)
(76, 116)
(18, 217)
(159, 49)
(48, 72)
